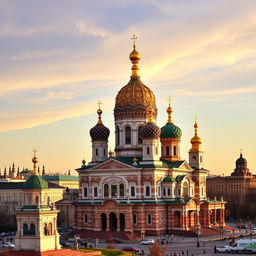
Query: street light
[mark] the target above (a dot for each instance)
(198, 230)
(132, 238)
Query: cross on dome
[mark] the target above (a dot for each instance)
(133, 39)
(34, 151)
(99, 104)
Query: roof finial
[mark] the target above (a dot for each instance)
(169, 111)
(134, 57)
(241, 153)
(133, 39)
(99, 111)
(34, 161)
(196, 125)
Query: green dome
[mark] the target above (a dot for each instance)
(35, 182)
(168, 179)
(170, 131)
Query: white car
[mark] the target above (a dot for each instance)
(225, 248)
(8, 245)
(147, 241)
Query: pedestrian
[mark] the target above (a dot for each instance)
(182, 253)
(187, 252)
(215, 250)
(204, 251)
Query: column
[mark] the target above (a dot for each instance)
(108, 223)
(118, 222)
(214, 217)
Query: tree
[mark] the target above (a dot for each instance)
(156, 250)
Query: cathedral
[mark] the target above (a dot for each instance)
(144, 186)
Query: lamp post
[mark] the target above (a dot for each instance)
(132, 239)
(198, 229)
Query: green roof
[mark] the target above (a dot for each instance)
(170, 131)
(180, 178)
(60, 178)
(25, 171)
(35, 182)
(168, 179)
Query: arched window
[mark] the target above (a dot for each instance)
(85, 218)
(201, 159)
(121, 189)
(32, 230)
(96, 152)
(185, 189)
(117, 135)
(156, 150)
(169, 192)
(113, 190)
(37, 200)
(174, 151)
(140, 140)
(106, 190)
(193, 158)
(167, 151)
(147, 190)
(128, 135)
(147, 150)
(132, 191)
(149, 219)
(95, 192)
(50, 229)
(45, 229)
(85, 192)
(25, 230)
(134, 219)
(48, 200)
(164, 192)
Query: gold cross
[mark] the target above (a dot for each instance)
(99, 103)
(34, 151)
(241, 151)
(196, 117)
(169, 100)
(133, 39)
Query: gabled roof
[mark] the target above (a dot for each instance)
(19, 185)
(35, 182)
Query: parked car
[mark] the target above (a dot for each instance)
(2, 234)
(8, 245)
(225, 248)
(147, 241)
(117, 240)
(130, 249)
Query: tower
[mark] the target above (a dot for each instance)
(150, 135)
(196, 154)
(99, 135)
(170, 139)
(131, 111)
(36, 219)
(241, 167)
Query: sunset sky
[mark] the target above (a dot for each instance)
(58, 58)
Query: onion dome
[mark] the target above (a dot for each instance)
(196, 141)
(170, 130)
(135, 98)
(168, 179)
(150, 130)
(99, 132)
(241, 163)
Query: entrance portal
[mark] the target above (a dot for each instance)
(113, 221)
(122, 222)
(103, 222)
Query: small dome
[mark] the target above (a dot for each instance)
(241, 162)
(99, 132)
(34, 159)
(170, 131)
(168, 179)
(150, 131)
(35, 182)
(134, 55)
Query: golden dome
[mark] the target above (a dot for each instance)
(196, 141)
(135, 97)
(34, 160)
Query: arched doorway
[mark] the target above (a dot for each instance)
(113, 221)
(191, 218)
(176, 218)
(103, 222)
(122, 222)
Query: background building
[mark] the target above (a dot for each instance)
(238, 189)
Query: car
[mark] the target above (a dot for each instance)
(130, 249)
(224, 248)
(2, 234)
(8, 245)
(147, 241)
(117, 240)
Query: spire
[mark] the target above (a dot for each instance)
(34, 161)
(18, 172)
(150, 118)
(196, 141)
(69, 172)
(10, 171)
(135, 58)
(99, 111)
(5, 173)
(43, 171)
(169, 111)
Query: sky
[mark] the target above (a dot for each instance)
(58, 58)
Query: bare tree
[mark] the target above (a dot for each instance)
(156, 250)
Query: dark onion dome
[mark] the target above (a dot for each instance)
(241, 162)
(168, 179)
(99, 132)
(135, 98)
(170, 130)
(150, 130)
